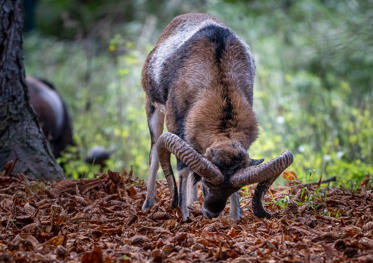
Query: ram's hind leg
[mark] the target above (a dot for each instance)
(155, 118)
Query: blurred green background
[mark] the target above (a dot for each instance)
(313, 88)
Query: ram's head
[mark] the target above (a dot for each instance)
(222, 174)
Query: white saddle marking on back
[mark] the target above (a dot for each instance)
(170, 45)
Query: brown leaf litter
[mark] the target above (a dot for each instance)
(100, 220)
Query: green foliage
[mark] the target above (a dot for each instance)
(99, 20)
(350, 174)
(312, 89)
(74, 166)
(69, 18)
(107, 110)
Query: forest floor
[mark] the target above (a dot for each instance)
(100, 220)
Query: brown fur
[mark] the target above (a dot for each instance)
(202, 90)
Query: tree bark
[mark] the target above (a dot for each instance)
(21, 138)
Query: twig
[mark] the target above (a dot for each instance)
(332, 179)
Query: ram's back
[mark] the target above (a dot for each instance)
(193, 47)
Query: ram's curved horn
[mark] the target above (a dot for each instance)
(170, 143)
(260, 191)
(262, 172)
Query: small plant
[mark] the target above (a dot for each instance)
(281, 203)
(336, 213)
(245, 190)
(313, 198)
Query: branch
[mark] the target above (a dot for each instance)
(332, 179)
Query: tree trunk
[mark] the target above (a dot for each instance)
(21, 138)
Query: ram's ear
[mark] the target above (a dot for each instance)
(256, 161)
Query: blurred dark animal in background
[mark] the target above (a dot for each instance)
(55, 120)
(52, 113)
(98, 155)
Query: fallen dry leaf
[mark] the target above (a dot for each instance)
(100, 220)
(289, 175)
(93, 257)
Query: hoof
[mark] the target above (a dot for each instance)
(185, 216)
(236, 216)
(262, 214)
(174, 201)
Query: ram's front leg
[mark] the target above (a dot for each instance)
(183, 185)
(155, 123)
(235, 209)
(192, 190)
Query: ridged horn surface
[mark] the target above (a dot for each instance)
(262, 172)
(260, 191)
(171, 143)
